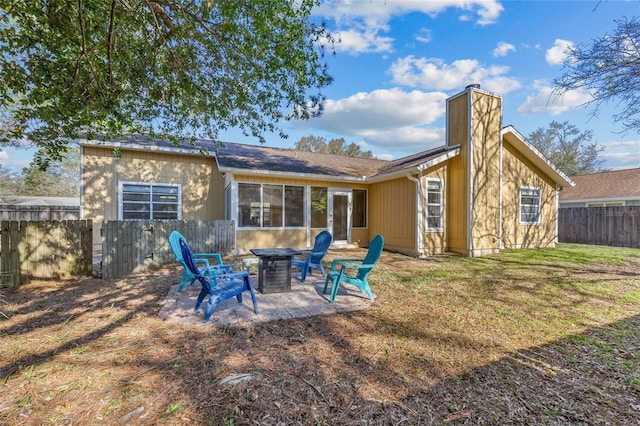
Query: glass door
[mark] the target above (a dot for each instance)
(339, 220)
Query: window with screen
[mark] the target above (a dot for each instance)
(150, 201)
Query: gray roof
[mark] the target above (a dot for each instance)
(237, 157)
(10, 200)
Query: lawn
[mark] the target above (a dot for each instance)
(524, 337)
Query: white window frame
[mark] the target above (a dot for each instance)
(521, 204)
(440, 205)
(152, 185)
(284, 206)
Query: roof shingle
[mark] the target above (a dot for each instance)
(605, 185)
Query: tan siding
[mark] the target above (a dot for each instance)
(456, 193)
(360, 236)
(435, 242)
(518, 172)
(202, 186)
(457, 120)
(486, 127)
(392, 213)
(250, 239)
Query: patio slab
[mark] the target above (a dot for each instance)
(304, 300)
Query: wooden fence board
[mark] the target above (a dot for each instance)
(44, 250)
(130, 246)
(613, 226)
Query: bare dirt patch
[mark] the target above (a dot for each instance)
(449, 340)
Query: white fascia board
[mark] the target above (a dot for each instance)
(137, 147)
(238, 171)
(453, 151)
(417, 169)
(536, 156)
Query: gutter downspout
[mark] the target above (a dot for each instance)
(420, 225)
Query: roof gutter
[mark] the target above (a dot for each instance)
(138, 147)
(340, 178)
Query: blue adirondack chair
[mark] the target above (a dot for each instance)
(218, 287)
(354, 271)
(200, 258)
(314, 256)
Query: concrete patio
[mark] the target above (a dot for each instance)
(304, 299)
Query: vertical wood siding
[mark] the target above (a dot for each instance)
(518, 171)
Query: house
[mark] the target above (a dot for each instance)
(604, 189)
(484, 190)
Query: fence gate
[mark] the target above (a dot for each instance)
(133, 245)
(127, 246)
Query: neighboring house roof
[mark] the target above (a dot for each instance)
(10, 200)
(615, 185)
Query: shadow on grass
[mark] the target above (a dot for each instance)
(403, 361)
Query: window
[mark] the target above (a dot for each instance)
(434, 205)
(150, 201)
(318, 207)
(249, 204)
(529, 206)
(294, 203)
(359, 212)
(270, 206)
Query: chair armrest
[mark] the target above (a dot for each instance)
(356, 266)
(231, 275)
(344, 260)
(216, 256)
(217, 270)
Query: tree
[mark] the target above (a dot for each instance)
(10, 182)
(334, 146)
(567, 148)
(60, 177)
(171, 68)
(609, 69)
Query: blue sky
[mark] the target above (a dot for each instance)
(399, 60)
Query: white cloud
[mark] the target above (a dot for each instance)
(3, 155)
(435, 74)
(364, 39)
(546, 101)
(558, 53)
(424, 35)
(486, 11)
(621, 154)
(391, 119)
(503, 49)
(360, 23)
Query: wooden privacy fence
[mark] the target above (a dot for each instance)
(609, 226)
(44, 250)
(39, 213)
(130, 246)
